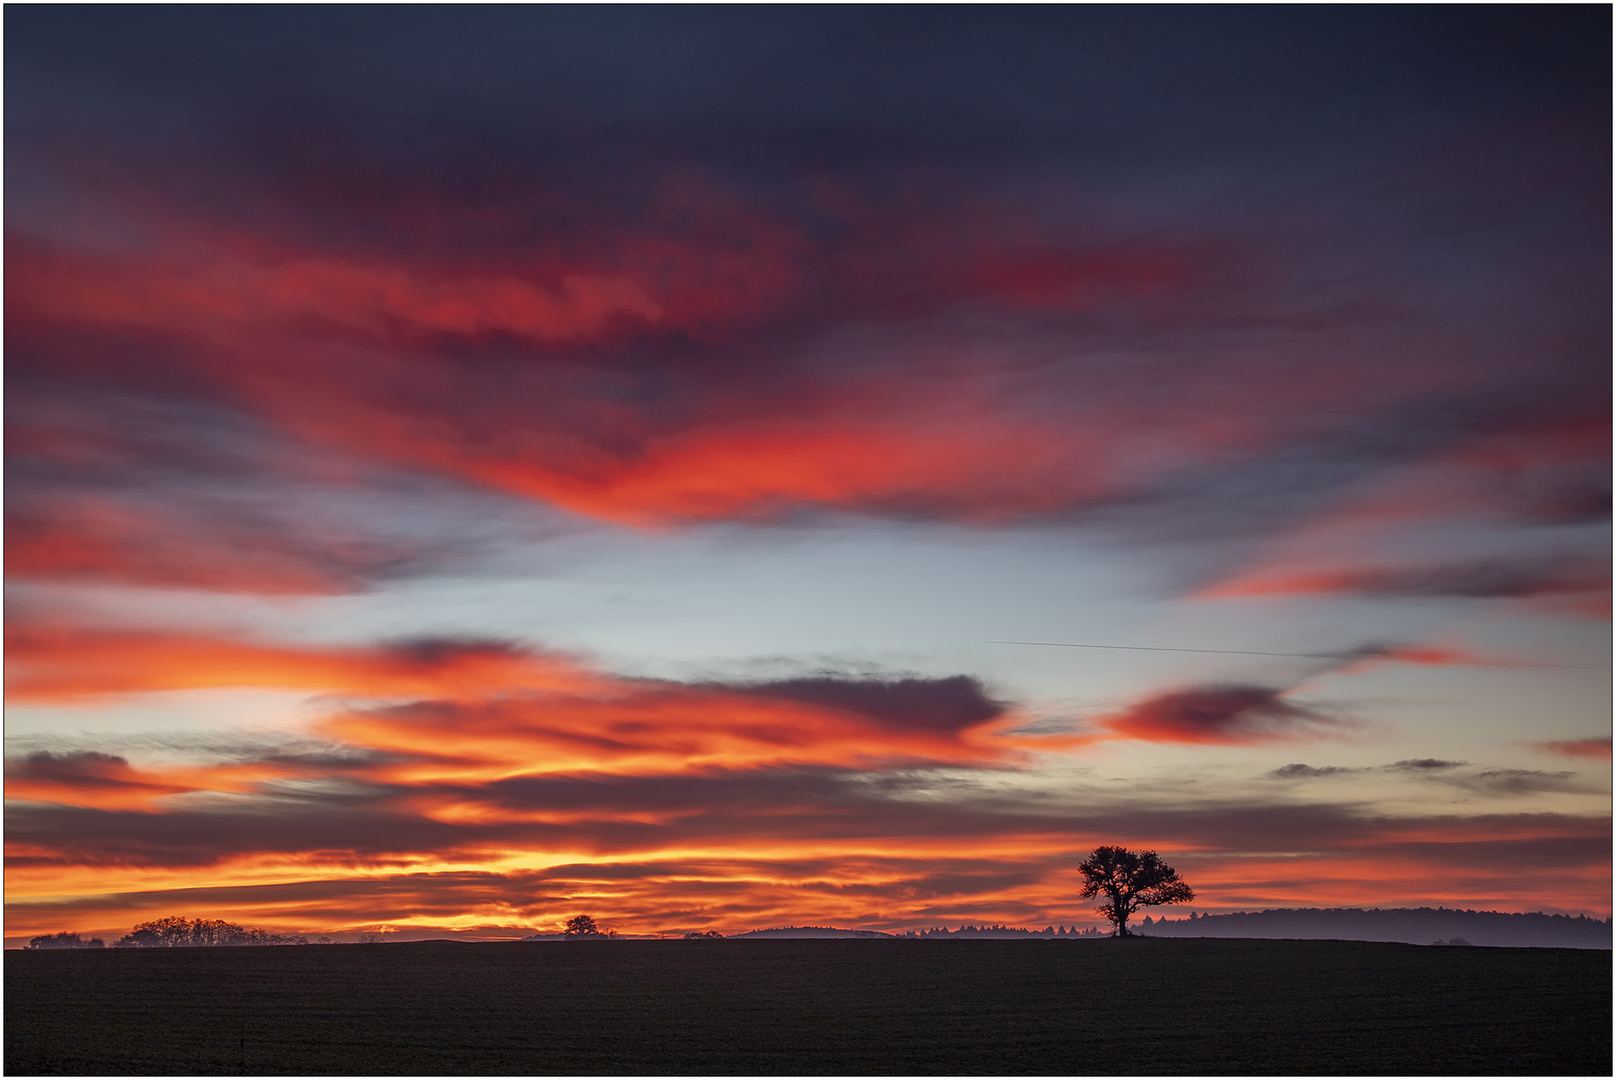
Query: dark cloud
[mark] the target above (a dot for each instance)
(1299, 771)
(1491, 781)
(1520, 781)
(1230, 713)
(1425, 765)
(946, 705)
(438, 652)
(85, 766)
(1482, 579)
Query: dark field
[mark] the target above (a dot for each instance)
(1053, 1007)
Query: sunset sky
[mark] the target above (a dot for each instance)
(471, 467)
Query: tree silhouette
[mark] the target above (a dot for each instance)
(65, 940)
(582, 925)
(1130, 881)
(176, 931)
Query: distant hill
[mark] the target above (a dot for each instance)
(810, 932)
(1419, 926)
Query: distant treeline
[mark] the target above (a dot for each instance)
(65, 940)
(1418, 926)
(174, 932)
(967, 930)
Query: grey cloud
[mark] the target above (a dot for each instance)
(1484, 579)
(1299, 771)
(946, 704)
(1520, 781)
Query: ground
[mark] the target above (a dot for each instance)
(1138, 1006)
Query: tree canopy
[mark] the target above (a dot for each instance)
(176, 931)
(582, 925)
(1130, 881)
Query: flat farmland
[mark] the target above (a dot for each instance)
(1139, 1006)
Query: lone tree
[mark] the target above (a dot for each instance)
(1130, 881)
(582, 925)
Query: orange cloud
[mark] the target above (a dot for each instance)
(55, 662)
(479, 710)
(638, 728)
(108, 782)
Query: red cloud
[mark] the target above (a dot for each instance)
(104, 539)
(367, 355)
(697, 356)
(1228, 714)
(1597, 749)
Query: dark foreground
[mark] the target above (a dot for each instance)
(889, 1007)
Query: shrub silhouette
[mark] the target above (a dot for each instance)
(65, 940)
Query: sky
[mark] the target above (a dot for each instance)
(471, 467)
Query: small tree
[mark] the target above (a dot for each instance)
(1130, 881)
(582, 926)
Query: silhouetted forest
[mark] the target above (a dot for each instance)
(1417, 926)
(65, 940)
